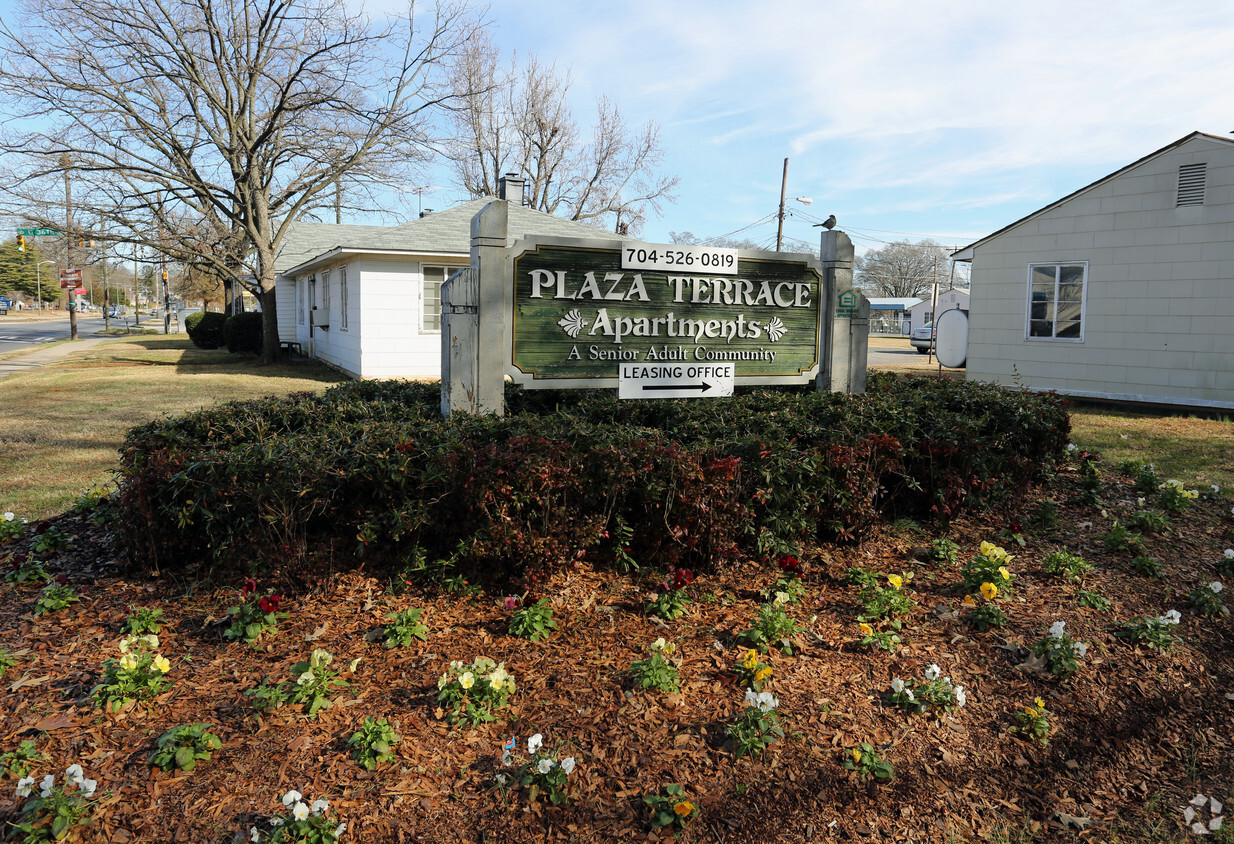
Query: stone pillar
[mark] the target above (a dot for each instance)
(473, 360)
(836, 255)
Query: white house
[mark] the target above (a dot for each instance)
(1122, 290)
(922, 314)
(890, 315)
(367, 299)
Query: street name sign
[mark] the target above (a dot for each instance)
(39, 232)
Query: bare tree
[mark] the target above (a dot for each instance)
(518, 119)
(903, 269)
(244, 116)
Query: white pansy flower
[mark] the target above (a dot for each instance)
(567, 765)
(1172, 617)
(276, 822)
(320, 806)
(960, 698)
(897, 685)
(45, 787)
(1056, 629)
(300, 812)
(1081, 649)
(502, 779)
(88, 786)
(1215, 488)
(767, 701)
(1140, 502)
(1072, 447)
(781, 599)
(1215, 587)
(910, 694)
(658, 644)
(544, 765)
(25, 786)
(932, 672)
(306, 678)
(1228, 553)
(534, 743)
(292, 796)
(9, 515)
(751, 698)
(339, 830)
(254, 835)
(74, 774)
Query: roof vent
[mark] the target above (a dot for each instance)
(1191, 184)
(425, 213)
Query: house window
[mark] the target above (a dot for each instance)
(430, 299)
(342, 298)
(300, 300)
(1056, 301)
(325, 291)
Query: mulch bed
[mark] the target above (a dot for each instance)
(1135, 733)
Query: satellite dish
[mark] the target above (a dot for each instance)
(951, 341)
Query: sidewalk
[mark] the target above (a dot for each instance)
(41, 357)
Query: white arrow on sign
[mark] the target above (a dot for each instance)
(675, 380)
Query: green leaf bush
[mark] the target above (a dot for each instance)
(372, 468)
(205, 329)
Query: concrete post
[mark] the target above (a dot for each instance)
(473, 362)
(836, 255)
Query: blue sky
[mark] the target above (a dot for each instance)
(904, 119)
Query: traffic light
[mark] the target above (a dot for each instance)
(81, 241)
(164, 276)
(21, 243)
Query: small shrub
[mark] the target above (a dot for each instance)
(935, 692)
(857, 576)
(140, 673)
(28, 571)
(988, 565)
(51, 540)
(1092, 600)
(373, 743)
(670, 602)
(1066, 565)
(671, 808)
(1225, 565)
(474, 692)
(313, 680)
(55, 597)
(541, 773)
(1033, 722)
(1119, 540)
(656, 672)
(533, 621)
(205, 329)
(1159, 633)
(11, 527)
(55, 811)
(1089, 494)
(1060, 652)
(943, 550)
(773, 626)
(1148, 521)
(1045, 514)
(1206, 600)
(1146, 480)
(883, 639)
(254, 617)
(1146, 565)
(303, 824)
(988, 615)
(788, 582)
(143, 620)
(184, 746)
(405, 626)
(758, 726)
(17, 763)
(242, 333)
(1175, 497)
(882, 603)
(752, 672)
(866, 762)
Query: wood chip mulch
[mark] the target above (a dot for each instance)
(1135, 733)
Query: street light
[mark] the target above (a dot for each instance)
(38, 280)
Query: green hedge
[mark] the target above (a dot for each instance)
(369, 471)
(205, 329)
(243, 333)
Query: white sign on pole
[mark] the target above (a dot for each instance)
(675, 380)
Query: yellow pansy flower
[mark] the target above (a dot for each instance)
(466, 679)
(987, 548)
(968, 601)
(895, 580)
(989, 591)
(128, 662)
(1003, 571)
(856, 755)
(685, 808)
(751, 659)
(866, 630)
(1032, 713)
(161, 664)
(762, 674)
(1040, 703)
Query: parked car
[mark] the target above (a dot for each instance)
(923, 338)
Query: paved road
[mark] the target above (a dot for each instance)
(20, 333)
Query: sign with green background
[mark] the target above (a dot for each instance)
(577, 315)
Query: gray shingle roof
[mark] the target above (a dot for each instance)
(446, 231)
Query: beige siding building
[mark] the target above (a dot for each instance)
(1122, 290)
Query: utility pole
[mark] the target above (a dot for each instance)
(68, 241)
(783, 190)
(136, 288)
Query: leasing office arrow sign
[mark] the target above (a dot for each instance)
(675, 381)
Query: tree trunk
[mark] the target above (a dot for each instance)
(269, 325)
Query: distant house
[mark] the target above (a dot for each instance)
(890, 315)
(923, 313)
(367, 299)
(1122, 290)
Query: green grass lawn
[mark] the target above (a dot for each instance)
(61, 425)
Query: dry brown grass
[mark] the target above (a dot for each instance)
(61, 425)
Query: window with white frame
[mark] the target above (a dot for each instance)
(430, 298)
(325, 291)
(1056, 301)
(301, 299)
(342, 298)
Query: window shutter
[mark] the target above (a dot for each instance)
(1191, 184)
